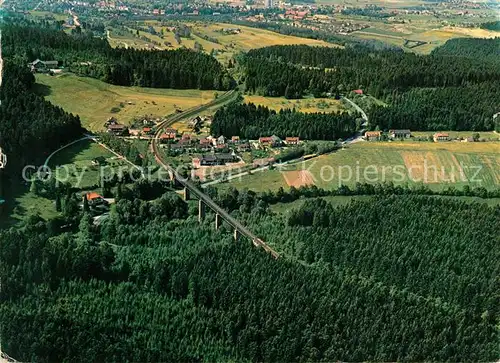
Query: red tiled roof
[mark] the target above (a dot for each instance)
(92, 196)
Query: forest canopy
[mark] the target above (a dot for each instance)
(403, 278)
(90, 56)
(251, 122)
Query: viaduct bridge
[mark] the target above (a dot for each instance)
(191, 190)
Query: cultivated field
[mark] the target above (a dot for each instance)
(436, 165)
(302, 105)
(94, 100)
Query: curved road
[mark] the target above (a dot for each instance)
(195, 190)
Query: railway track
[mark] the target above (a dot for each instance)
(233, 222)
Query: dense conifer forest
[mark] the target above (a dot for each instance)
(251, 122)
(30, 127)
(445, 90)
(395, 278)
(89, 56)
(488, 49)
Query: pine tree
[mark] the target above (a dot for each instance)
(58, 202)
(86, 207)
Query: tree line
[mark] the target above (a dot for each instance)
(251, 122)
(89, 56)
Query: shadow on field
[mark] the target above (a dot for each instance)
(42, 89)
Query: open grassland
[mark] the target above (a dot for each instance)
(225, 45)
(302, 105)
(94, 100)
(74, 164)
(436, 165)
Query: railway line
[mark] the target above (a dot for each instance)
(193, 189)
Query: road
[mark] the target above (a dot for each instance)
(363, 114)
(190, 186)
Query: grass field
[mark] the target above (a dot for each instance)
(48, 14)
(437, 165)
(93, 100)
(74, 164)
(226, 46)
(302, 105)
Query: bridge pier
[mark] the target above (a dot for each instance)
(236, 235)
(201, 211)
(185, 194)
(218, 221)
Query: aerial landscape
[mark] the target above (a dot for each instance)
(249, 180)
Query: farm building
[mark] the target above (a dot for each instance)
(221, 140)
(439, 136)
(94, 199)
(272, 141)
(292, 140)
(372, 135)
(245, 146)
(399, 134)
(117, 129)
(213, 160)
(43, 66)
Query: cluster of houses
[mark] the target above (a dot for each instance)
(171, 139)
(406, 134)
(393, 134)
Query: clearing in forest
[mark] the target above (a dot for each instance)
(95, 101)
(301, 105)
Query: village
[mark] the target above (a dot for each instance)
(202, 150)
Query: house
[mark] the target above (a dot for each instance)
(372, 135)
(358, 91)
(94, 199)
(292, 140)
(235, 139)
(213, 160)
(440, 136)
(134, 132)
(147, 130)
(221, 140)
(245, 146)
(271, 141)
(205, 144)
(399, 134)
(117, 129)
(43, 66)
(171, 132)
